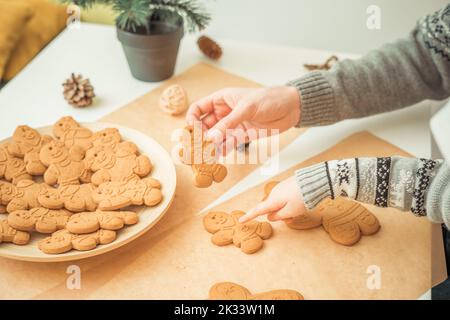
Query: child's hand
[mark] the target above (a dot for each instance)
(241, 108)
(284, 202)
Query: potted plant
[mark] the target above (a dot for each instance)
(150, 31)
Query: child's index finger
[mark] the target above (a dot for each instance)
(262, 208)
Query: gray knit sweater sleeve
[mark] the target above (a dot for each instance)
(421, 186)
(397, 75)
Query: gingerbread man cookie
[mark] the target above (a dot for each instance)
(12, 168)
(173, 100)
(23, 196)
(117, 195)
(9, 234)
(63, 241)
(41, 220)
(307, 220)
(201, 155)
(233, 291)
(27, 143)
(87, 222)
(226, 229)
(75, 198)
(7, 193)
(111, 138)
(121, 164)
(65, 166)
(346, 221)
(71, 133)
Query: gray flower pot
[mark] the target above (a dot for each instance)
(152, 57)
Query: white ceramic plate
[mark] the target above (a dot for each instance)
(163, 170)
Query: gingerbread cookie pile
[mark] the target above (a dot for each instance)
(71, 186)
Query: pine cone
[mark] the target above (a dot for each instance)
(325, 66)
(209, 47)
(78, 91)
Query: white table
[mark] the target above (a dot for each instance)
(35, 97)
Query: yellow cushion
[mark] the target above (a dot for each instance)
(47, 22)
(13, 16)
(99, 13)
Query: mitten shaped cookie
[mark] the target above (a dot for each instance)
(27, 143)
(346, 221)
(307, 220)
(76, 198)
(63, 241)
(41, 220)
(87, 222)
(173, 100)
(65, 166)
(121, 164)
(118, 195)
(201, 155)
(71, 133)
(12, 168)
(226, 229)
(9, 234)
(233, 291)
(23, 196)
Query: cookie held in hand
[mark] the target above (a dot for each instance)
(41, 220)
(118, 195)
(201, 156)
(226, 230)
(9, 234)
(63, 241)
(233, 291)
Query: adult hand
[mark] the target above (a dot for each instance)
(245, 109)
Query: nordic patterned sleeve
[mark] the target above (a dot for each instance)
(421, 186)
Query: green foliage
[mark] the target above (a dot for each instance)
(137, 14)
(132, 14)
(192, 12)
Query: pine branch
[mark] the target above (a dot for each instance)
(132, 14)
(135, 14)
(194, 15)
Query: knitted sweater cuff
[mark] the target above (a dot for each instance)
(314, 184)
(317, 100)
(438, 196)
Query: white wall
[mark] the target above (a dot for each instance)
(336, 25)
